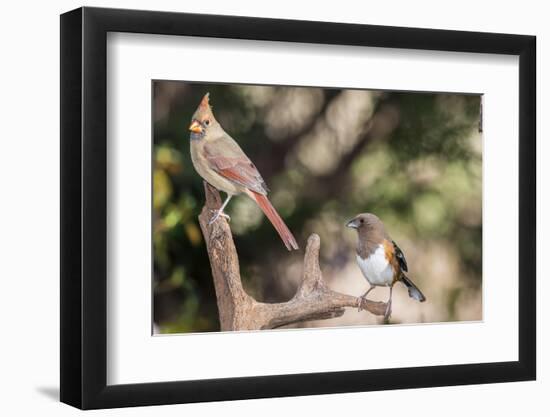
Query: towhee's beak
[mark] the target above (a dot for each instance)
(352, 224)
(195, 127)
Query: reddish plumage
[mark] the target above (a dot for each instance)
(220, 161)
(275, 219)
(389, 252)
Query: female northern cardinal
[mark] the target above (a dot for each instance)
(222, 163)
(380, 259)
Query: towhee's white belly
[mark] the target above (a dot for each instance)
(376, 269)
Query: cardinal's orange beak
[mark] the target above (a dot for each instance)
(195, 127)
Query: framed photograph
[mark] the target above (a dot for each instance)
(258, 208)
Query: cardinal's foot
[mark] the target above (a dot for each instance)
(218, 213)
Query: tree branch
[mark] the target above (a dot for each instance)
(238, 311)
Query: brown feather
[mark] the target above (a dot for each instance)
(389, 252)
(226, 158)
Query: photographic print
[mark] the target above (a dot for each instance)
(285, 212)
(278, 207)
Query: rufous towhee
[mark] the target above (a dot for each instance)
(222, 163)
(380, 259)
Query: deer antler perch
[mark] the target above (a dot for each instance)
(238, 311)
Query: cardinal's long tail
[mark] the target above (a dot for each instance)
(275, 219)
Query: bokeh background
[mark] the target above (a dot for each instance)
(414, 159)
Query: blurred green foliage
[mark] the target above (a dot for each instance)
(414, 159)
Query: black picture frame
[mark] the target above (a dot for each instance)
(84, 207)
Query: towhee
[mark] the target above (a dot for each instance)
(380, 259)
(221, 162)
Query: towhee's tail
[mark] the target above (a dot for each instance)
(275, 219)
(414, 292)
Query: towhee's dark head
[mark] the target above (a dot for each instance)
(366, 222)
